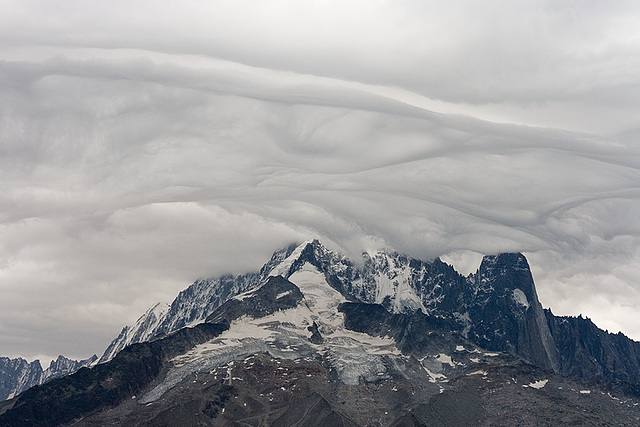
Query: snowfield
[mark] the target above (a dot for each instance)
(354, 356)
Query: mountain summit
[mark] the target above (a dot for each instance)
(316, 339)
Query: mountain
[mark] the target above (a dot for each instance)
(17, 375)
(316, 339)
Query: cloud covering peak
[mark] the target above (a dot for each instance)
(143, 146)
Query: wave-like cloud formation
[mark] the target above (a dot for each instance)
(140, 150)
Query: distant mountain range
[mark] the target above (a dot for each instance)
(387, 340)
(17, 375)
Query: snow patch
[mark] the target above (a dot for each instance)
(445, 359)
(283, 294)
(537, 384)
(395, 284)
(435, 377)
(284, 267)
(520, 298)
(244, 295)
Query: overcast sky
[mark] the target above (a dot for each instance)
(146, 144)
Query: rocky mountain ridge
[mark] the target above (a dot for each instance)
(497, 307)
(17, 375)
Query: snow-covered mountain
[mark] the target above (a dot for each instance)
(399, 283)
(17, 375)
(497, 307)
(140, 331)
(316, 339)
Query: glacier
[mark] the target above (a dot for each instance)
(354, 356)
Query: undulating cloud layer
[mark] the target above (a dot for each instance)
(143, 146)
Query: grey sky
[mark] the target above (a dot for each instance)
(143, 146)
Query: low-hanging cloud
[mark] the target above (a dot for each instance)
(134, 161)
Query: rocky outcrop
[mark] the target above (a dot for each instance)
(587, 351)
(505, 313)
(277, 293)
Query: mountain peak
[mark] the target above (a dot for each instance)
(506, 271)
(514, 260)
(506, 299)
(284, 261)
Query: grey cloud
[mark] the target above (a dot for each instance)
(460, 51)
(127, 172)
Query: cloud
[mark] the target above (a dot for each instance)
(141, 150)
(548, 63)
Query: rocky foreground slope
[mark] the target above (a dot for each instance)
(315, 339)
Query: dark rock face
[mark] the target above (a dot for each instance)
(456, 407)
(276, 294)
(589, 352)
(506, 314)
(414, 333)
(315, 337)
(261, 394)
